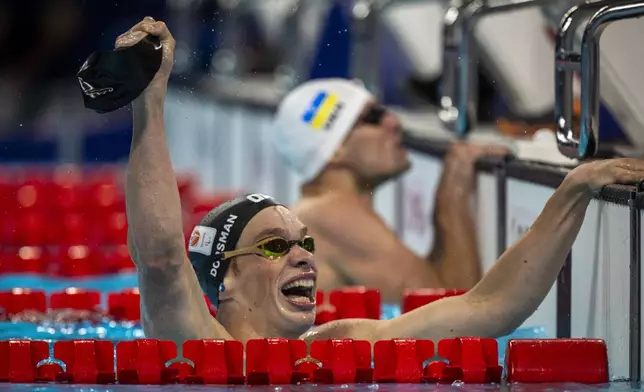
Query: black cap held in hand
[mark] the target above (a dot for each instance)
(110, 80)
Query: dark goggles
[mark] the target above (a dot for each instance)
(374, 115)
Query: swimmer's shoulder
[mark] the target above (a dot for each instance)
(316, 210)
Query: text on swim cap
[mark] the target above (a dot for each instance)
(215, 267)
(225, 232)
(334, 115)
(222, 241)
(257, 197)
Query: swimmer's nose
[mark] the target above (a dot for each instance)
(392, 123)
(304, 264)
(300, 258)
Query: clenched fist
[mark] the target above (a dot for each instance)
(148, 26)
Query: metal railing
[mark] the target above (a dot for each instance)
(366, 20)
(598, 15)
(294, 62)
(459, 91)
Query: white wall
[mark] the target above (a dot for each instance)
(487, 218)
(621, 83)
(418, 30)
(417, 194)
(526, 70)
(600, 281)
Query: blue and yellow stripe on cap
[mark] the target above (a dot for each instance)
(320, 110)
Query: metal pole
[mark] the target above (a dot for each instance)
(635, 324)
(291, 70)
(601, 14)
(367, 15)
(228, 60)
(459, 96)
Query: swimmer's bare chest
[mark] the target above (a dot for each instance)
(328, 263)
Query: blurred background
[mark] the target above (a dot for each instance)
(61, 197)
(394, 46)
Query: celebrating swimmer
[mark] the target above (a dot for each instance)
(255, 259)
(344, 146)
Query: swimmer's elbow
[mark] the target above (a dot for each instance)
(155, 249)
(157, 258)
(505, 330)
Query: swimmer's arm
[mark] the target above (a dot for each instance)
(152, 196)
(172, 305)
(455, 249)
(508, 294)
(370, 253)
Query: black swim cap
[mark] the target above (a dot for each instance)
(218, 232)
(110, 80)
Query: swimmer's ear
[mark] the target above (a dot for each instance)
(230, 283)
(226, 294)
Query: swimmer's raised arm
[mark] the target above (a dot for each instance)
(513, 289)
(455, 251)
(172, 303)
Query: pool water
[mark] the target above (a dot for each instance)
(104, 284)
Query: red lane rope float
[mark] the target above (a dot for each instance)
(284, 361)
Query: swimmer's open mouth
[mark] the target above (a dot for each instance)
(300, 292)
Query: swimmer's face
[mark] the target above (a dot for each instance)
(374, 147)
(277, 295)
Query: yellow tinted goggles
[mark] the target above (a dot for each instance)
(273, 248)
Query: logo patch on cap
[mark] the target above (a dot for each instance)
(323, 111)
(202, 240)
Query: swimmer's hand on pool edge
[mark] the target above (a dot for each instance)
(520, 279)
(148, 26)
(595, 175)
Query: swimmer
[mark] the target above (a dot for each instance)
(343, 145)
(254, 257)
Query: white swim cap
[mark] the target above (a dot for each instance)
(312, 121)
